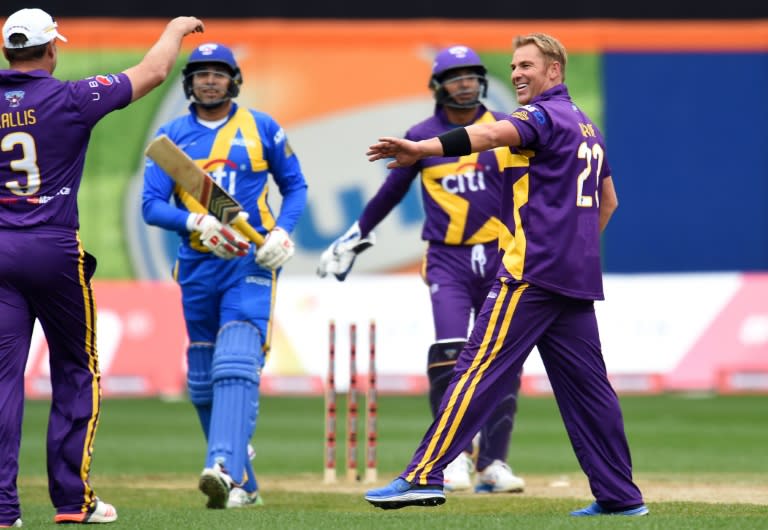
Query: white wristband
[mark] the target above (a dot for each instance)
(191, 220)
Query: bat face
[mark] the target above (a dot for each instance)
(204, 191)
(193, 179)
(220, 204)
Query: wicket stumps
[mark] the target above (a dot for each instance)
(371, 411)
(330, 409)
(352, 421)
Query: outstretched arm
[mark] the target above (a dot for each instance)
(458, 142)
(157, 63)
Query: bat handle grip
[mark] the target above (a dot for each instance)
(248, 231)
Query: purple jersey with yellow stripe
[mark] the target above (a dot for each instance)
(550, 208)
(460, 194)
(45, 125)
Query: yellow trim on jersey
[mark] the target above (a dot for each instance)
(89, 347)
(267, 219)
(515, 246)
(486, 354)
(488, 232)
(244, 122)
(457, 207)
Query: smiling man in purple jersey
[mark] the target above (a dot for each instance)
(557, 198)
(461, 197)
(45, 273)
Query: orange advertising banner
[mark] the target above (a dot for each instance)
(577, 36)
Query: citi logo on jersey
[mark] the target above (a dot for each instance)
(217, 169)
(472, 179)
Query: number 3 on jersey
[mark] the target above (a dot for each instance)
(27, 164)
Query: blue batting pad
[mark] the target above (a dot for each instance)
(236, 367)
(199, 384)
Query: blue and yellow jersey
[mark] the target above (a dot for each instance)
(240, 155)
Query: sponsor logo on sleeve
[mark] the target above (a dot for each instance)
(14, 97)
(537, 114)
(106, 80)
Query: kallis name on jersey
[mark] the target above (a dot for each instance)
(17, 119)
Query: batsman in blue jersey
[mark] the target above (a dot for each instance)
(557, 197)
(227, 286)
(45, 272)
(462, 206)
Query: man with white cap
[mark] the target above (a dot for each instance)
(45, 273)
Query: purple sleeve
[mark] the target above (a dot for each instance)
(533, 125)
(98, 95)
(389, 195)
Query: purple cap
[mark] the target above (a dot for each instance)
(456, 57)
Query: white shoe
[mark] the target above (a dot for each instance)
(101, 512)
(216, 484)
(497, 478)
(239, 498)
(456, 474)
(16, 524)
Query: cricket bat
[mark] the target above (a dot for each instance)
(205, 195)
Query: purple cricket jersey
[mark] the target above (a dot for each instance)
(45, 273)
(551, 208)
(462, 205)
(45, 125)
(549, 277)
(460, 194)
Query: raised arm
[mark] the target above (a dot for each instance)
(458, 142)
(157, 63)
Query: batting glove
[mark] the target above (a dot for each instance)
(339, 258)
(223, 240)
(276, 250)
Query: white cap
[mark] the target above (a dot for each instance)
(37, 25)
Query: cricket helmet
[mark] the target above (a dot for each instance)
(453, 58)
(212, 53)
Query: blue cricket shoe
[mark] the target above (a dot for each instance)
(400, 493)
(596, 509)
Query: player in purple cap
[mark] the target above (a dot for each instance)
(45, 273)
(557, 197)
(461, 197)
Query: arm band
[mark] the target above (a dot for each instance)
(456, 142)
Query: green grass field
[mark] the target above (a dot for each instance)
(701, 463)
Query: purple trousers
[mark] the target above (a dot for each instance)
(45, 275)
(459, 278)
(516, 317)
